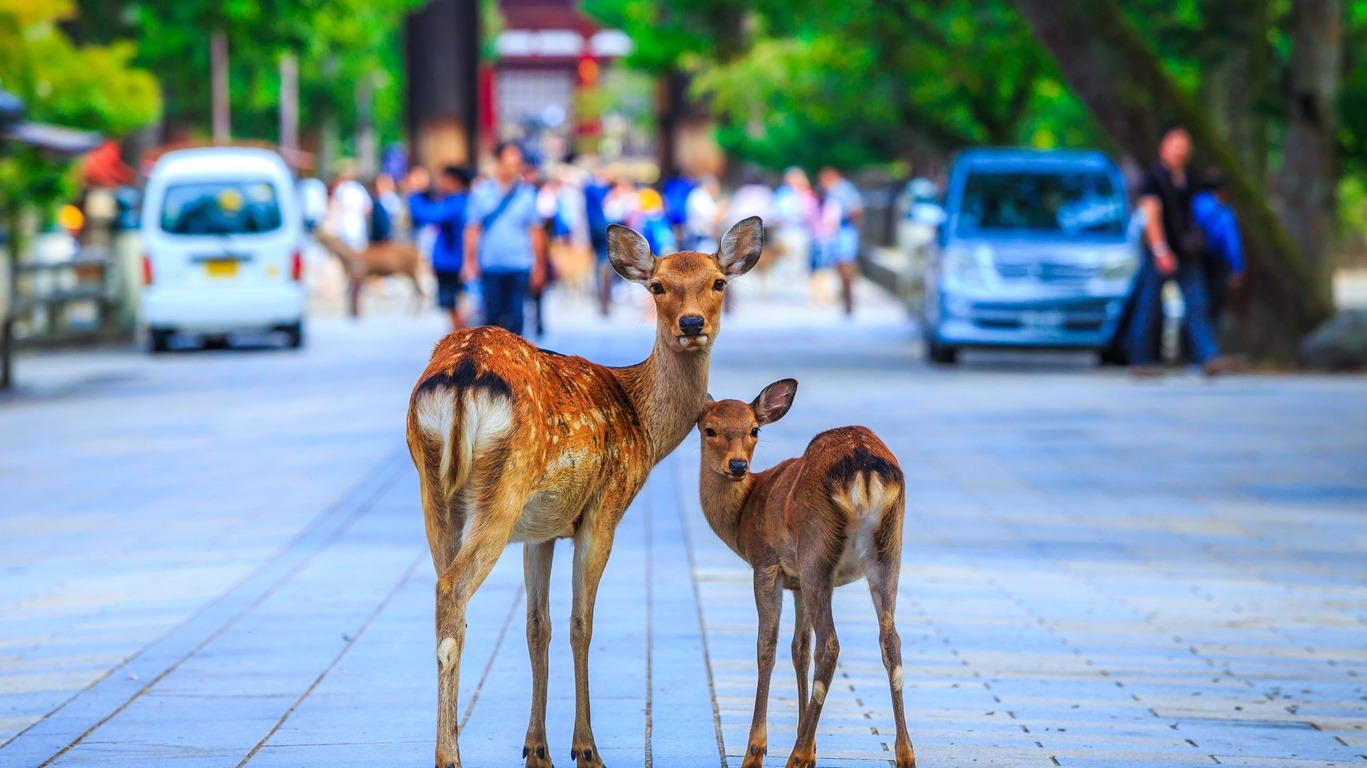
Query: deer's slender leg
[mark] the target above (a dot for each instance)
(802, 651)
(482, 542)
(769, 603)
(816, 593)
(536, 567)
(591, 548)
(882, 568)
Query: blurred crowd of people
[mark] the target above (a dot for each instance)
(495, 239)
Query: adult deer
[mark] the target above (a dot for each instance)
(810, 524)
(513, 443)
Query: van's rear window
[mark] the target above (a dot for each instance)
(1080, 202)
(220, 208)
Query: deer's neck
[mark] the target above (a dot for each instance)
(669, 392)
(723, 504)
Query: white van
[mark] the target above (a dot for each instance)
(221, 234)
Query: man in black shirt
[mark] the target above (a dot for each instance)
(1175, 247)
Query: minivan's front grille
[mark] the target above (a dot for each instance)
(1046, 272)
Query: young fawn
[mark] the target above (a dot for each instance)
(513, 443)
(809, 524)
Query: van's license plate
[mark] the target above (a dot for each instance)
(221, 268)
(1042, 320)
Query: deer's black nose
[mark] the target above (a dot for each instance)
(737, 466)
(691, 325)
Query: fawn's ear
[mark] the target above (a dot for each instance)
(774, 401)
(630, 254)
(741, 246)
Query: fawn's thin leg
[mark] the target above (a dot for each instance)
(536, 568)
(816, 593)
(769, 603)
(802, 651)
(591, 549)
(882, 570)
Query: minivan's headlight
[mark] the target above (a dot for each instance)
(967, 265)
(1120, 264)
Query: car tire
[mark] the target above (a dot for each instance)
(159, 340)
(940, 354)
(294, 335)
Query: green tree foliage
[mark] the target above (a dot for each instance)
(88, 87)
(338, 42)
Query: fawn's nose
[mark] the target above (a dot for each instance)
(691, 325)
(738, 466)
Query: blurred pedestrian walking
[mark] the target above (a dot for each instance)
(652, 222)
(349, 209)
(842, 210)
(797, 218)
(596, 191)
(1175, 247)
(505, 245)
(446, 212)
(1224, 257)
(702, 216)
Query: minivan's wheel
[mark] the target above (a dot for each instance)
(940, 354)
(294, 335)
(159, 339)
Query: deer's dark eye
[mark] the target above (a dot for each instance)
(656, 289)
(720, 285)
(754, 432)
(710, 432)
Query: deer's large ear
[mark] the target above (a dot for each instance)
(741, 246)
(774, 401)
(630, 254)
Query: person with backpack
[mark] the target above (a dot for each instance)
(1174, 248)
(505, 241)
(447, 212)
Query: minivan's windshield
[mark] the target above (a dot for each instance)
(1068, 203)
(220, 208)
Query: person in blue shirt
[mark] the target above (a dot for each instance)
(1224, 258)
(595, 192)
(505, 240)
(445, 211)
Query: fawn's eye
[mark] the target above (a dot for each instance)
(710, 432)
(656, 288)
(754, 432)
(720, 285)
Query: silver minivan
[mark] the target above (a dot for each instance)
(1036, 250)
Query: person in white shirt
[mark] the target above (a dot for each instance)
(349, 210)
(702, 215)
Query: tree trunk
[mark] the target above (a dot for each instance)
(218, 78)
(1131, 96)
(671, 88)
(289, 104)
(1308, 180)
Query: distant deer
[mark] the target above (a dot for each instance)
(810, 524)
(513, 443)
(382, 259)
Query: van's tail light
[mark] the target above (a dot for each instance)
(146, 270)
(297, 266)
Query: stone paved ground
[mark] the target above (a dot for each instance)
(216, 559)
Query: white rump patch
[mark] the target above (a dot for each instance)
(487, 417)
(445, 651)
